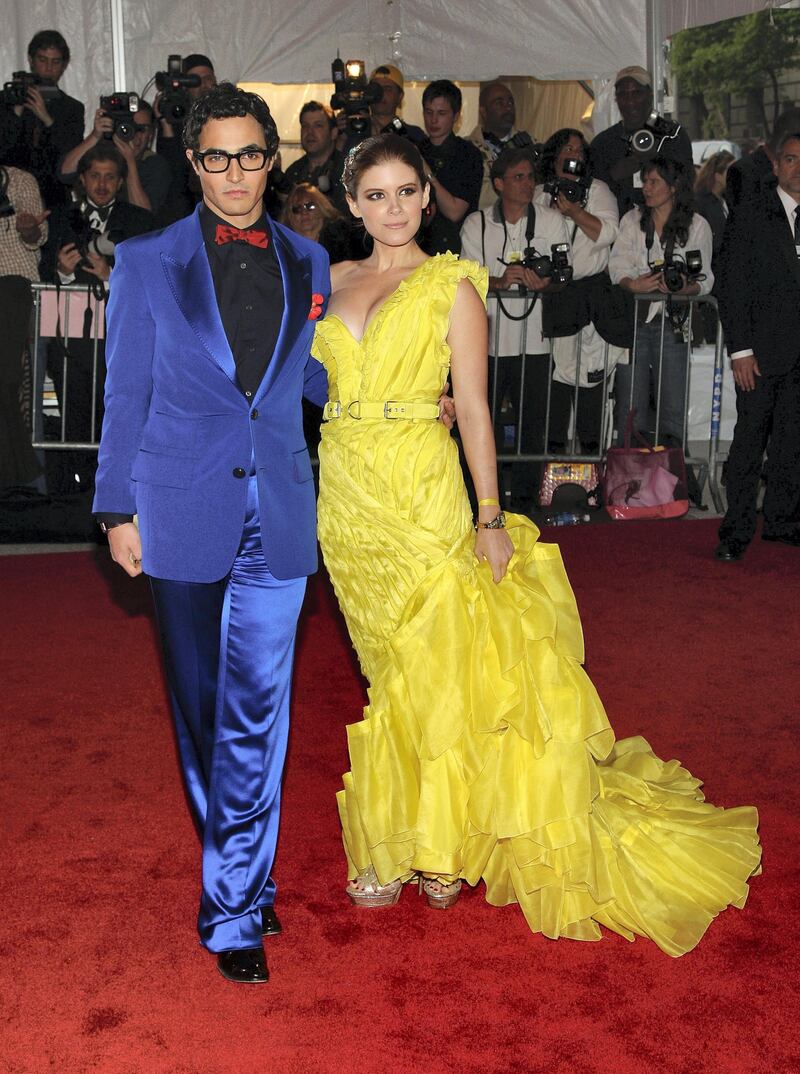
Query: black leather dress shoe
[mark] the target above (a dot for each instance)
(270, 926)
(248, 966)
(731, 550)
(792, 539)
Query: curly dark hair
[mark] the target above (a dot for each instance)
(380, 150)
(227, 101)
(49, 39)
(546, 165)
(677, 175)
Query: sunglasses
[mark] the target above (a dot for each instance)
(304, 207)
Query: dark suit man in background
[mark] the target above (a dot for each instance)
(37, 135)
(758, 288)
(748, 177)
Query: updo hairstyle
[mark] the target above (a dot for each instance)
(382, 149)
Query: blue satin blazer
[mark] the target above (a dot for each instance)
(179, 434)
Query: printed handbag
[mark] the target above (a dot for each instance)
(556, 474)
(644, 482)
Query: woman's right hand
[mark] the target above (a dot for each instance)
(496, 548)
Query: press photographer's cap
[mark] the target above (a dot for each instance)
(388, 70)
(638, 74)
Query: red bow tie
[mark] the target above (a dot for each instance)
(228, 233)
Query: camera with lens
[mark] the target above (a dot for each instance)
(574, 189)
(172, 84)
(88, 241)
(15, 92)
(120, 108)
(651, 137)
(522, 140)
(681, 270)
(554, 267)
(353, 94)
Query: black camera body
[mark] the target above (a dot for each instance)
(554, 267)
(172, 84)
(15, 92)
(574, 189)
(681, 270)
(353, 94)
(87, 240)
(649, 140)
(121, 107)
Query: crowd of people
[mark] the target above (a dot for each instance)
(619, 210)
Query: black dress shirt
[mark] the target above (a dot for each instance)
(458, 166)
(249, 290)
(611, 146)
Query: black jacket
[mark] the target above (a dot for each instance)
(124, 222)
(758, 284)
(26, 143)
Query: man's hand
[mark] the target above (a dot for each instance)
(126, 548)
(518, 274)
(35, 103)
(447, 408)
(98, 266)
(166, 127)
(745, 370)
(126, 151)
(103, 125)
(68, 259)
(30, 226)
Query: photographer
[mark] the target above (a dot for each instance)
(37, 134)
(590, 210)
(23, 229)
(149, 176)
(185, 190)
(321, 164)
(79, 249)
(651, 240)
(455, 169)
(507, 239)
(616, 162)
(383, 112)
(495, 132)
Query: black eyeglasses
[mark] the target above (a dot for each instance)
(304, 207)
(217, 160)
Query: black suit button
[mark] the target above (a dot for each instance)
(253, 415)
(239, 472)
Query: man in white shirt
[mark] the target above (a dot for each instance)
(758, 290)
(505, 239)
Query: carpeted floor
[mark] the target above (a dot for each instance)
(100, 967)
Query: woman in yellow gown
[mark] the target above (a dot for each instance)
(484, 752)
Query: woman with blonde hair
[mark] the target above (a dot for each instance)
(709, 192)
(311, 214)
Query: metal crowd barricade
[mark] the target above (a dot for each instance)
(705, 467)
(60, 314)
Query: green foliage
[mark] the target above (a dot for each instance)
(737, 55)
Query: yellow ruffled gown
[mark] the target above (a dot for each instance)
(485, 752)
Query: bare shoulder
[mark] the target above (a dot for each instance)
(342, 272)
(468, 301)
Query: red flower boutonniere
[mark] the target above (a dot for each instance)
(316, 307)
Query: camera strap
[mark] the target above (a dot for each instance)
(530, 231)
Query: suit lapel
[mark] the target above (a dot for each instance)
(189, 277)
(296, 276)
(783, 235)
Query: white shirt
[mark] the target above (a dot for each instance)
(590, 257)
(499, 247)
(630, 257)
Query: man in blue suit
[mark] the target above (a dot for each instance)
(209, 329)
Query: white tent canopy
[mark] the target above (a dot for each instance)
(274, 41)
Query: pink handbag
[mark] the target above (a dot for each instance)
(644, 482)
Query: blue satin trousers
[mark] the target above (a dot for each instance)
(228, 652)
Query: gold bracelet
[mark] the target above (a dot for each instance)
(488, 503)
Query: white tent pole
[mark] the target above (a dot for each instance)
(655, 49)
(118, 46)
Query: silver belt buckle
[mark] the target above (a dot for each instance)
(393, 410)
(350, 414)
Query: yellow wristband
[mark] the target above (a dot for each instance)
(488, 503)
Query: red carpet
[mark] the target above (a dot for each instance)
(100, 966)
